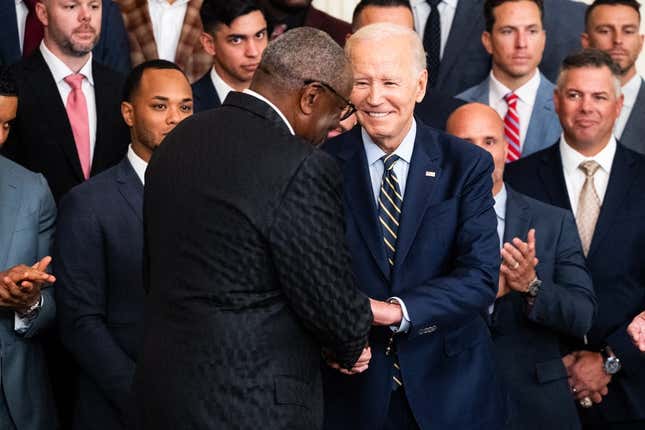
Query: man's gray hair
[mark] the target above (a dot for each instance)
(302, 54)
(590, 58)
(384, 31)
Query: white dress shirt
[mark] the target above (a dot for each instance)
(575, 178)
(167, 21)
(630, 91)
(274, 107)
(60, 71)
(421, 11)
(21, 20)
(376, 167)
(526, 100)
(221, 87)
(138, 164)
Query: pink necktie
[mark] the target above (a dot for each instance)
(512, 128)
(78, 119)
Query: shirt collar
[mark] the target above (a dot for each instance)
(60, 70)
(221, 87)
(571, 158)
(175, 4)
(500, 203)
(404, 150)
(137, 164)
(451, 3)
(630, 90)
(527, 92)
(274, 107)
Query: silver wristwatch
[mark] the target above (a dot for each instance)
(611, 363)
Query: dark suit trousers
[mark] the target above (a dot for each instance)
(592, 420)
(399, 414)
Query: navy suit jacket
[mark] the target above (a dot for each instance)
(435, 108)
(544, 125)
(615, 260)
(99, 288)
(529, 341)
(446, 273)
(204, 94)
(112, 49)
(633, 136)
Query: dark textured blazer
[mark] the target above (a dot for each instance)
(446, 271)
(615, 260)
(112, 49)
(435, 108)
(248, 276)
(633, 136)
(529, 341)
(42, 138)
(204, 94)
(98, 264)
(27, 218)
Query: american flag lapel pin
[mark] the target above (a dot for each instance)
(430, 173)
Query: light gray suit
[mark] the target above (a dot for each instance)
(27, 216)
(544, 126)
(634, 134)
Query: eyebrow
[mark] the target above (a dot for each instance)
(166, 99)
(244, 36)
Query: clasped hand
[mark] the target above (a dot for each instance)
(20, 285)
(587, 376)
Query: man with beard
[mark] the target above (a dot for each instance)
(284, 15)
(235, 34)
(68, 126)
(99, 251)
(613, 26)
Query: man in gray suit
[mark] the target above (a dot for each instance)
(27, 215)
(613, 26)
(515, 88)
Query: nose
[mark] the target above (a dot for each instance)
(375, 94)
(84, 13)
(174, 116)
(586, 104)
(252, 49)
(520, 39)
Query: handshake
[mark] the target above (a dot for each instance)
(385, 314)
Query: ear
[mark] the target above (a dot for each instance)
(488, 46)
(556, 101)
(422, 83)
(619, 107)
(310, 99)
(41, 13)
(208, 43)
(127, 112)
(584, 40)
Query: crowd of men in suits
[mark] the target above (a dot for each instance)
(426, 219)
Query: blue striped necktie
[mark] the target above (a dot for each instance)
(390, 202)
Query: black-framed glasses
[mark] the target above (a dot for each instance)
(349, 108)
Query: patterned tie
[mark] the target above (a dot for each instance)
(432, 42)
(588, 205)
(33, 29)
(512, 128)
(78, 118)
(389, 211)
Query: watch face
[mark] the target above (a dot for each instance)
(612, 365)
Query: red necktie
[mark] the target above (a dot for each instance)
(78, 118)
(512, 128)
(33, 29)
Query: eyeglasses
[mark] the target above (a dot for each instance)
(349, 108)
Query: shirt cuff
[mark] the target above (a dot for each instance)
(22, 324)
(404, 326)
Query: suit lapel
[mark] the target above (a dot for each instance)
(359, 199)
(538, 124)
(517, 219)
(10, 41)
(467, 12)
(130, 187)
(552, 177)
(418, 189)
(139, 27)
(620, 180)
(42, 83)
(9, 203)
(104, 90)
(480, 94)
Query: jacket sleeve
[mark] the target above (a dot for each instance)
(308, 242)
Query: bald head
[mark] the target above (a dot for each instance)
(481, 125)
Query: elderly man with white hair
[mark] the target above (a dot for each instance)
(422, 232)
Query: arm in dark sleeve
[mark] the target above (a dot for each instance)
(566, 303)
(308, 242)
(81, 297)
(470, 287)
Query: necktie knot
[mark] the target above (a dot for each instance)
(389, 160)
(589, 167)
(74, 80)
(511, 98)
(434, 3)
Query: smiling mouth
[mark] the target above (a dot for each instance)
(377, 114)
